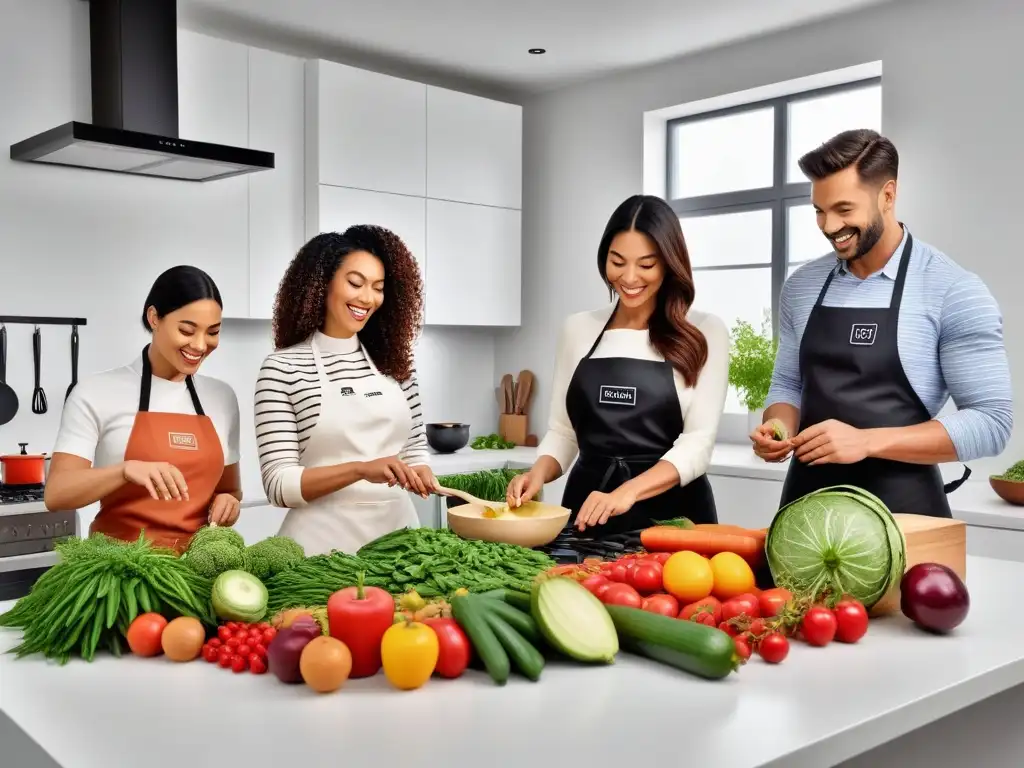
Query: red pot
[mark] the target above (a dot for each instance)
(23, 468)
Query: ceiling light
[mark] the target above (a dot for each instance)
(537, 51)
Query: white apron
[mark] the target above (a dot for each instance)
(360, 420)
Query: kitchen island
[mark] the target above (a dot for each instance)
(898, 697)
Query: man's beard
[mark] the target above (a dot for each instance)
(866, 238)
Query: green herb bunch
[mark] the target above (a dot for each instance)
(751, 360)
(1014, 474)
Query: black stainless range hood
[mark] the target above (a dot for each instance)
(134, 61)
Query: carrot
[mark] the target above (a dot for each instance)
(757, 533)
(703, 542)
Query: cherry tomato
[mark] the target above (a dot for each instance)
(772, 601)
(224, 633)
(260, 650)
(728, 628)
(666, 605)
(646, 578)
(602, 590)
(735, 607)
(618, 573)
(774, 648)
(818, 626)
(214, 642)
(224, 659)
(243, 650)
(752, 603)
(709, 605)
(210, 654)
(742, 648)
(239, 663)
(593, 582)
(851, 621)
(660, 557)
(623, 594)
(757, 628)
(232, 626)
(704, 618)
(268, 635)
(232, 643)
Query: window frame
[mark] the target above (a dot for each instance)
(778, 198)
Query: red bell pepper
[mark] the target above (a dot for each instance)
(359, 616)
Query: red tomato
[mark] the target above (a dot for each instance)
(260, 650)
(244, 650)
(742, 648)
(268, 635)
(232, 643)
(143, 635)
(757, 628)
(851, 621)
(709, 605)
(223, 633)
(772, 601)
(257, 665)
(818, 626)
(623, 594)
(659, 557)
(232, 626)
(737, 606)
(666, 605)
(453, 647)
(224, 658)
(239, 663)
(601, 591)
(646, 578)
(774, 648)
(618, 573)
(210, 654)
(728, 628)
(593, 582)
(753, 603)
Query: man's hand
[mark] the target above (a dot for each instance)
(600, 506)
(831, 442)
(767, 447)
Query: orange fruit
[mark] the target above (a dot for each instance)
(325, 664)
(688, 576)
(732, 575)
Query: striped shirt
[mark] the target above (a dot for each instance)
(287, 407)
(950, 340)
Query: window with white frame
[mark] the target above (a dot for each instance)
(733, 179)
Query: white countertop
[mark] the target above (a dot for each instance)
(819, 707)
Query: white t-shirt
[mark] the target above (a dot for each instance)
(701, 406)
(98, 417)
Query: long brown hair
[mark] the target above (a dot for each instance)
(678, 340)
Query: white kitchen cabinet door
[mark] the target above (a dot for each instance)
(342, 208)
(474, 149)
(474, 258)
(369, 130)
(213, 106)
(276, 202)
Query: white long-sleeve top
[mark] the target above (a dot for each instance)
(701, 405)
(287, 406)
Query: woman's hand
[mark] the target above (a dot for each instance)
(392, 471)
(600, 506)
(426, 476)
(162, 480)
(224, 509)
(523, 488)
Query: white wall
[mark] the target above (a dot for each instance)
(89, 244)
(951, 103)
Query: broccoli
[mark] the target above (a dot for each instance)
(214, 550)
(273, 555)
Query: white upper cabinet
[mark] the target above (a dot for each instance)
(474, 149)
(473, 264)
(365, 130)
(276, 197)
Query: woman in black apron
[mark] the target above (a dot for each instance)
(625, 411)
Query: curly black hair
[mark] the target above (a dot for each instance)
(300, 307)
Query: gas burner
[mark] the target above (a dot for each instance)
(570, 547)
(20, 494)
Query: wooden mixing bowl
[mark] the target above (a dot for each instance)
(532, 525)
(1008, 490)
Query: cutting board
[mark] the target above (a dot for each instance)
(929, 540)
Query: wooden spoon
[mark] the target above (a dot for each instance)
(491, 508)
(506, 390)
(525, 390)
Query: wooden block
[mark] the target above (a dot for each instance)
(929, 540)
(513, 427)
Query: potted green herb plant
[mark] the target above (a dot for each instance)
(751, 360)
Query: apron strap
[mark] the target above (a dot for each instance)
(948, 488)
(147, 386)
(601, 334)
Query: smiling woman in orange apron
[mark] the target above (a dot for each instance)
(152, 442)
(338, 418)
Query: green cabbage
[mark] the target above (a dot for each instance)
(838, 541)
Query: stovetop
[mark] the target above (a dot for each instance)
(20, 494)
(573, 548)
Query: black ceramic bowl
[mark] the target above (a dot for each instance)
(448, 436)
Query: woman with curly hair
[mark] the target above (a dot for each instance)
(639, 386)
(338, 419)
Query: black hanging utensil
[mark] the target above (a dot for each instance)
(38, 396)
(8, 397)
(74, 361)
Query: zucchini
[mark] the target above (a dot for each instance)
(526, 658)
(521, 622)
(520, 600)
(470, 616)
(574, 621)
(696, 648)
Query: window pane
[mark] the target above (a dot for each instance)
(814, 121)
(804, 240)
(729, 238)
(723, 154)
(735, 294)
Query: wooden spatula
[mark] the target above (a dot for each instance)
(491, 508)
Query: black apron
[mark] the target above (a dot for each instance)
(626, 416)
(851, 371)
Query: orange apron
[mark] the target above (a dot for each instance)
(189, 443)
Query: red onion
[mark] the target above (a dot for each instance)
(933, 597)
(286, 648)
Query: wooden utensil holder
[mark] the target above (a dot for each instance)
(513, 427)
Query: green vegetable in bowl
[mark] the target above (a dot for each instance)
(491, 442)
(1014, 474)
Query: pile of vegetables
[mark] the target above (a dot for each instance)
(92, 595)
(489, 484)
(492, 442)
(837, 541)
(216, 549)
(1014, 474)
(432, 562)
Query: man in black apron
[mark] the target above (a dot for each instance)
(626, 416)
(851, 375)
